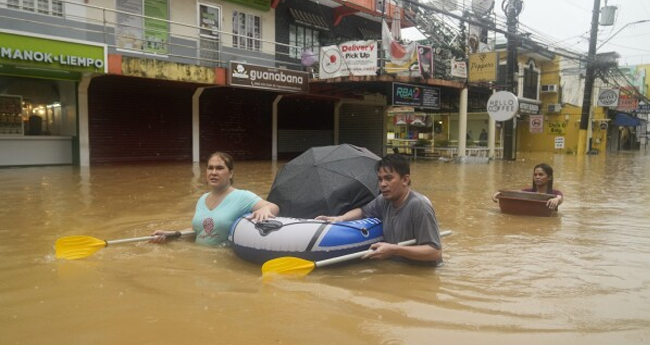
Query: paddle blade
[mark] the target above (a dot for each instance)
(77, 247)
(287, 266)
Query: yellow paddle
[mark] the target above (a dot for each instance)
(289, 265)
(79, 247)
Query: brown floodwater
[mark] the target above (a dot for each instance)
(581, 277)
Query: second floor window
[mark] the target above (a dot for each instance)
(247, 31)
(49, 7)
(301, 39)
(531, 77)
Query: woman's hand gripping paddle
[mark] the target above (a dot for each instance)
(79, 247)
(289, 265)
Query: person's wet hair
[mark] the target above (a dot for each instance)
(394, 163)
(549, 171)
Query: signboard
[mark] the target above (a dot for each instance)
(502, 106)
(267, 78)
(559, 142)
(45, 53)
(557, 127)
(536, 124)
(459, 69)
(418, 96)
(528, 108)
(627, 100)
(608, 98)
(483, 67)
(643, 108)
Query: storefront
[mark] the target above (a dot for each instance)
(413, 118)
(38, 97)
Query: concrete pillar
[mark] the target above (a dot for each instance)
(462, 122)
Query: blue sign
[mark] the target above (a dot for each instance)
(418, 96)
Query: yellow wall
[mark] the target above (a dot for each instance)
(565, 124)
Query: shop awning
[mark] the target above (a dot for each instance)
(625, 120)
(368, 34)
(309, 19)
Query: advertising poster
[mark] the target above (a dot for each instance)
(156, 32)
(404, 62)
(128, 28)
(209, 20)
(425, 60)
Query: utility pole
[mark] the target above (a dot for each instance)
(589, 81)
(512, 9)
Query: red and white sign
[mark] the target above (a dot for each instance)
(357, 58)
(536, 123)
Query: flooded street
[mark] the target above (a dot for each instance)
(580, 277)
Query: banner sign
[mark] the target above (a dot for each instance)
(357, 58)
(418, 96)
(267, 78)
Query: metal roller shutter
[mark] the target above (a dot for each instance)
(139, 120)
(362, 125)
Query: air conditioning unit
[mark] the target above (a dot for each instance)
(549, 88)
(554, 108)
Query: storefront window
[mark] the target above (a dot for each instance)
(31, 106)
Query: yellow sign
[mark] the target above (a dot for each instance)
(482, 67)
(556, 127)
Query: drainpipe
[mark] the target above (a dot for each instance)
(274, 129)
(196, 135)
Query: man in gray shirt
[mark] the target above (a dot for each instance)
(405, 215)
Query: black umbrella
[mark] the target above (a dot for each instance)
(326, 180)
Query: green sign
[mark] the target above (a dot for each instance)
(156, 32)
(263, 5)
(42, 53)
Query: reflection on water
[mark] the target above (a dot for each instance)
(576, 278)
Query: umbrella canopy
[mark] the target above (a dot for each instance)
(326, 180)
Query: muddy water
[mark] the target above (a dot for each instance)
(578, 278)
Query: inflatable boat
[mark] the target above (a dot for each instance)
(308, 239)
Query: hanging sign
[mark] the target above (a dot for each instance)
(608, 98)
(559, 142)
(502, 106)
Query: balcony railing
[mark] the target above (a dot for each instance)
(136, 35)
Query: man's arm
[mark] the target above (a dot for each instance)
(423, 252)
(353, 214)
